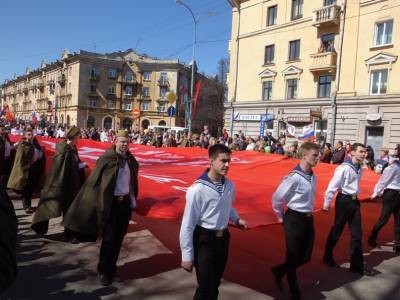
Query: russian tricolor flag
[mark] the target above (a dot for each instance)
(308, 133)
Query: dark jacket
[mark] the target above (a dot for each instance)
(326, 156)
(62, 185)
(338, 156)
(90, 209)
(8, 243)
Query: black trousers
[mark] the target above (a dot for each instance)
(113, 235)
(27, 191)
(347, 211)
(299, 235)
(210, 257)
(390, 205)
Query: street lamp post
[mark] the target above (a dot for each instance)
(195, 20)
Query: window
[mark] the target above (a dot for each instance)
(90, 122)
(127, 105)
(112, 73)
(93, 87)
(379, 82)
(163, 78)
(329, 2)
(111, 90)
(129, 76)
(146, 76)
(162, 107)
(291, 90)
(94, 72)
(146, 92)
(163, 92)
(267, 90)
(321, 129)
(93, 102)
(297, 9)
(327, 43)
(128, 90)
(383, 33)
(269, 57)
(294, 50)
(110, 104)
(324, 86)
(145, 105)
(271, 15)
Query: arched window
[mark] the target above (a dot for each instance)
(162, 123)
(107, 123)
(127, 123)
(145, 123)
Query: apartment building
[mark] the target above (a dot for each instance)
(332, 64)
(100, 90)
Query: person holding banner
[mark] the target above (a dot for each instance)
(62, 184)
(104, 204)
(28, 171)
(346, 181)
(204, 235)
(297, 190)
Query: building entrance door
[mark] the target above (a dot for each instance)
(374, 138)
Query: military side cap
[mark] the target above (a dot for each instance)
(72, 132)
(122, 133)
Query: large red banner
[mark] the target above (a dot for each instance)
(166, 173)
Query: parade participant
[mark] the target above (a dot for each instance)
(62, 184)
(8, 243)
(28, 170)
(7, 154)
(204, 235)
(104, 204)
(389, 186)
(346, 181)
(297, 190)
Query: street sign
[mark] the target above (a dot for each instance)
(171, 97)
(171, 111)
(136, 113)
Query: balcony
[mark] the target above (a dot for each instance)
(327, 15)
(322, 62)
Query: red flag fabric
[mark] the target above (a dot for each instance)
(196, 98)
(166, 173)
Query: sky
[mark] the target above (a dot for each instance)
(36, 30)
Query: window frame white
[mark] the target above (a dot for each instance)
(371, 83)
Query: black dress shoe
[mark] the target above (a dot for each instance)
(277, 278)
(331, 262)
(74, 240)
(372, 243)
(105, 279)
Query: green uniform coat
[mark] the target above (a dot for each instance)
(90, 209)
(20, 171)
(61, 187)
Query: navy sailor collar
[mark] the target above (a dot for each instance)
(206, 178)
(299, 170)
(350, 163)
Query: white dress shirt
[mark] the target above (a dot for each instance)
(208, 208)
(345, 180)
(297, 191)
(122, 185)
(390, 179)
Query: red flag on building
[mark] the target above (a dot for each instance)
(196, 97)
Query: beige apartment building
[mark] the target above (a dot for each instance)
(100, 90)
(332, 64)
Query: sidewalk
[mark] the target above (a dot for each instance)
(149, 267)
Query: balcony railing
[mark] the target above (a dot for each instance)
(325, 61)
(163, 82)
(326, 15)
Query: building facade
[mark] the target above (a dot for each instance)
(331, 64)
(100, 90)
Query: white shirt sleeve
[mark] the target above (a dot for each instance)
(334, 185)
(190, 219)
(233, 215)
(281, 194)
(384, 181)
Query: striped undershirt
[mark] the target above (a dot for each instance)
(219, 186)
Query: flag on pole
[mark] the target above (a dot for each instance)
(196, 98)
(308, 133)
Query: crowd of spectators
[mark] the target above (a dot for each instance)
(238, 142)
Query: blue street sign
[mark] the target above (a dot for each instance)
(171, 111)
